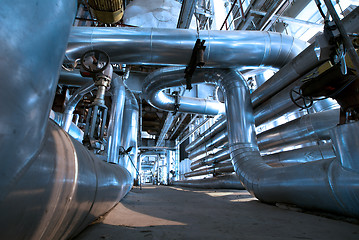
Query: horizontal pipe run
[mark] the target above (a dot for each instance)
(220, 168)
(299, 156)
(308, 128)
(218, 140)
(210, 132)
(328, 185)
(210, 159)
(73, 78)
(174, 46)
(300, 65)
(218, 182)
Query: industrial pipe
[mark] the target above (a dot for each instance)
(329, 185)
(218, 168)
(51, 186)
(115, 121)
(210, 132)
(174, 46)
(129, 133)
(219, 182)
(308, 128)
(300, 65)
(157, 81)
(216, 141)
(210, 159)
(301, 155)
(72, 103)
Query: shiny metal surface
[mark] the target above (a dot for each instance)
(218, 168)
(210, 159)
(129, 133)
(216, 141)
(219, 182)
(51, 186)
(300, 65)
(163, 78)
(74, 131)
(322, 185)
(26, 98)
(166, 126)
(346, 142)
(72, 103)
(299, 156)
(115, 120)
(73, 78)
(174, 46)
(210, 132)
(276, 106)
(308, 128)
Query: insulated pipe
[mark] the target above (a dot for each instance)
(216, 141)
(174, 46)
(219, 156)
(73, 78)
(51, 186)
(328, 185)
(301, 155)
(308, 128)
(300, 65)
(166, 127)
(129, 133)
(72, 103)
(116, 116)
(157, 81)
(211, 131)
(218, 182)
(220, 168)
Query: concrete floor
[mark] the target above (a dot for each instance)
(161, 212)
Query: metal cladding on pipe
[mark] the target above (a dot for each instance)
(157, 81)
(72, 103)
(218, 182)
(17, 112)
(129, 133)
(51, 186)
(166, 127)
(174, 46)
(300, 65)
(308, 128)
(211, 131)
(73, 78)
(116, 116)
(216, 141)
(301, 155)
(219, 156)
(276, 106)
(64, 189)
(325, 185)
(219, 168)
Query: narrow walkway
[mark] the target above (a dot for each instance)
(160, 212)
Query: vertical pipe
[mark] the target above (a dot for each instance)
(116, 115)
(129, 133)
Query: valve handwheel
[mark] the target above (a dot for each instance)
(303, 102)
(95, 61)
